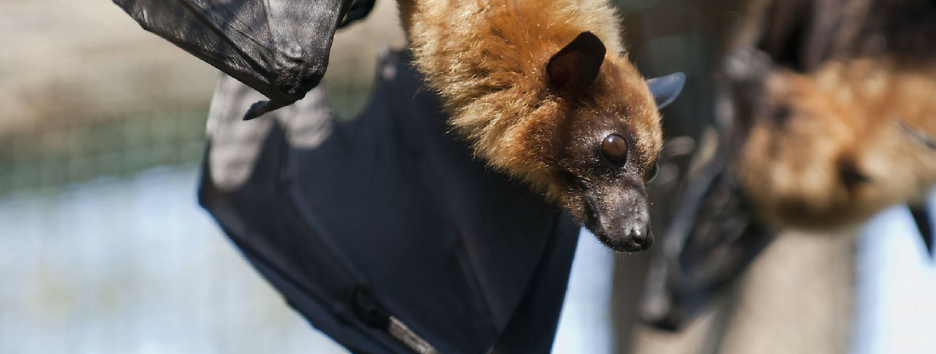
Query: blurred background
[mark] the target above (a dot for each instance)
(103, 248)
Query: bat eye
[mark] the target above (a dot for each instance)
(614, 148)
(652, 173)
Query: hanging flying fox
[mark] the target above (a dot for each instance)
(543, 92)
(540, 89)
(838, 125)
(826, 115)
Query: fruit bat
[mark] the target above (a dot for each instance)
(360, 216)
(558, 106)
(824, 119)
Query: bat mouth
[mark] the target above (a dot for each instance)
(628, 245)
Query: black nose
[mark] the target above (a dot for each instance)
(641, 237)
(631, 239)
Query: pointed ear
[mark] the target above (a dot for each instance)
(665, 89)
(579, 62)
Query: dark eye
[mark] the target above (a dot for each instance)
(614, 148)
(652, 173)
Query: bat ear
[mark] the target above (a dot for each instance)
(579, 62)
(665, 89)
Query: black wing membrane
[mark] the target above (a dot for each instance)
(383, 231)
(279, 48)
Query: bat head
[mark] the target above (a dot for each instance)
(835, 146)
(603, 147)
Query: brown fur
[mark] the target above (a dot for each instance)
(843, 118)
(842, 75)
(487, 60)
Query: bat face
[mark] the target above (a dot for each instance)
(605, 175)
(607, 149)
(832, 147)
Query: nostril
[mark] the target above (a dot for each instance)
(639, 235)
(642, 237)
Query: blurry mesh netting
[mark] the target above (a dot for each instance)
(43, 157)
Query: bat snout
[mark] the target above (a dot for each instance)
(641, 237)
(623, 225)
(635, 238)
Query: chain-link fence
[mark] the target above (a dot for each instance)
(43, 158)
